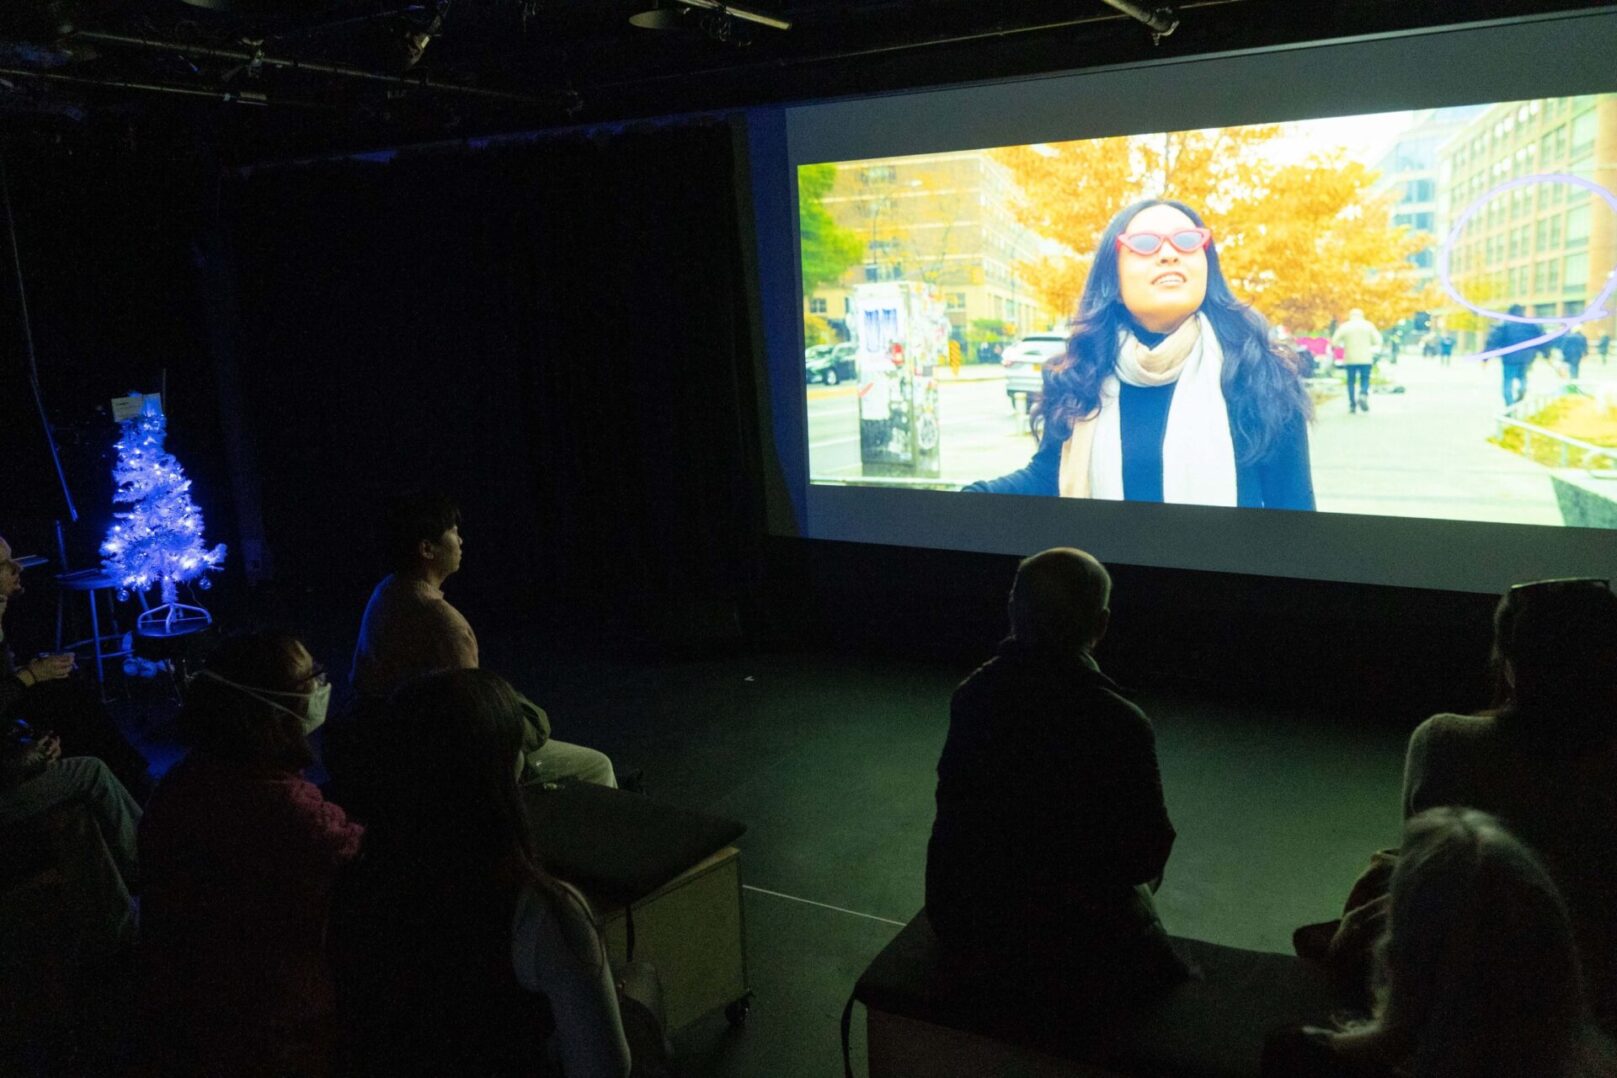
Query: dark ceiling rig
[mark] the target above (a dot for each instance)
(255, 52)
(383, 71)
(527, 59)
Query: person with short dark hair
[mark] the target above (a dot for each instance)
(240, 853)
(1051, 833)
(1544, 757)
(455, 952)
(1574, 346)
(409, 629)
(1478, 972)
(1514, 361)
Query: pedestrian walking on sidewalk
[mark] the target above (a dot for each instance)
(1511, 336)
(1359, 341)
(1574, 346)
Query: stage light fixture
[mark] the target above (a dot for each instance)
(661, 18)
(657, 17)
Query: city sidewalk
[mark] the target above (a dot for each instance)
(1425, 453)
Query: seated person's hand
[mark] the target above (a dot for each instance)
(51, 667)
(28, 757)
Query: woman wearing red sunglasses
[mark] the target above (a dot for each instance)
(1169, 390)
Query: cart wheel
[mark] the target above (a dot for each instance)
(736, 1013)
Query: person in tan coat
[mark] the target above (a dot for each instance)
(1359, 341)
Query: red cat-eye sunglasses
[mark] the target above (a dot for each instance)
(1185, 240)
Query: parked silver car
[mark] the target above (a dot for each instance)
(1024, 365)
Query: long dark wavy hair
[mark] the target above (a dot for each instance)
(1560, 640)
(1262, 386)
(420, 937)
(446, 809)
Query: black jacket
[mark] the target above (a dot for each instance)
(1049, 804)
(1510, 335)
(1281, 480)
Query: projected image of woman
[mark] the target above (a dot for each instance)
(1170, 389)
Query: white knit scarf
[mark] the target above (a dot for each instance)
(1198, 454)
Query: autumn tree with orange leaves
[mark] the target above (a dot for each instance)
(1302, 242)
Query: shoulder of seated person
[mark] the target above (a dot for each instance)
(1449, 725)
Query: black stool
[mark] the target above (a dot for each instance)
(96, 585)
(178, 650)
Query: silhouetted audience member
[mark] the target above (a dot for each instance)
(1478, 973)
(240, 853)
(1544, 758)
(455, 953)
(43, 692)
(410, 629)
(1051, 832)
(36, 777)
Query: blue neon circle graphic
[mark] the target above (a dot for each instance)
(1595, 309)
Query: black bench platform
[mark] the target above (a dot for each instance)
(923, 1018)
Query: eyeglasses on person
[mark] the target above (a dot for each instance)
(1185, 240)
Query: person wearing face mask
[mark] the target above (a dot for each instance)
(239, 854)
(1170, 389)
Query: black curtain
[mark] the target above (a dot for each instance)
(106, 223)
(553, 331)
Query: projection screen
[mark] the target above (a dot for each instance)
(1340, 312)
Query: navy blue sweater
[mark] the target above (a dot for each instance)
(1281, 479)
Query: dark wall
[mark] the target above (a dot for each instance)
(1367, 654)
(106, 225)
(554, 332)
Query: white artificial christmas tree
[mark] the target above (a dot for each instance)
(157, 540)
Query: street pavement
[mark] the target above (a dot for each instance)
(1425, 452)
(1420, 453)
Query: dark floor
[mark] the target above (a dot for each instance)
(828, 760)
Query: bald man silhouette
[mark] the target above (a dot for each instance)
(1051, 831)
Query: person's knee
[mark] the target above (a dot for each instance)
(87, 773)
(560, 759)
(591, 765)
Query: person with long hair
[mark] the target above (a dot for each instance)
(238, 854)
(1477, 972)
(1171, 389)
(1544, 757)
(455, 952)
